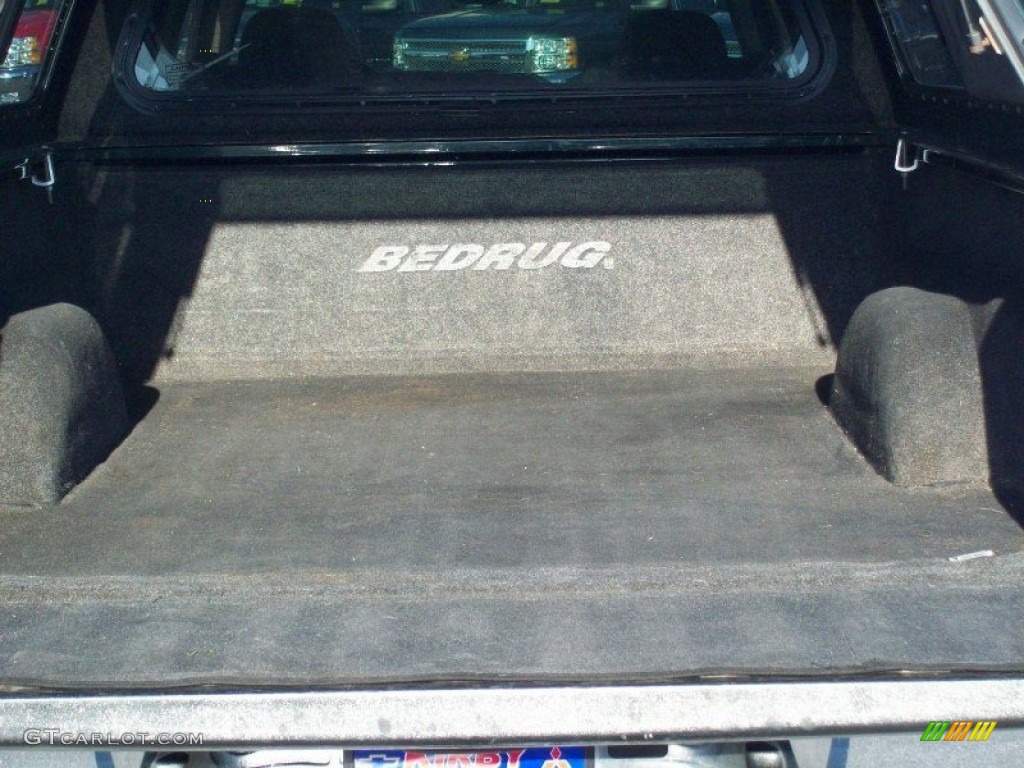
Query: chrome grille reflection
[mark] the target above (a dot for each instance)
(507, 56)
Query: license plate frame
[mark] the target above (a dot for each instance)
(518, 757)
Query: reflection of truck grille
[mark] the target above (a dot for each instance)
(464, 56)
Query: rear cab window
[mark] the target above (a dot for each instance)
(199, 51)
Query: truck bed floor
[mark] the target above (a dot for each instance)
(500, 527)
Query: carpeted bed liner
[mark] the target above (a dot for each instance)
(576, 525)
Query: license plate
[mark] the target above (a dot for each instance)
(534, 757)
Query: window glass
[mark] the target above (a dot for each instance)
(371, 48)
(913, 25)
(23, 61)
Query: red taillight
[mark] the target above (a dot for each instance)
(31, 39)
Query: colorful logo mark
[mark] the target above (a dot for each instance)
(958, 730)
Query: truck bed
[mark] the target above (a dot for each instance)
(575, 526)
